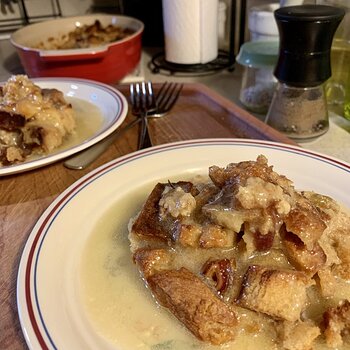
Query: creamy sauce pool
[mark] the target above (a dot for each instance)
(88, 120)
(121, 308)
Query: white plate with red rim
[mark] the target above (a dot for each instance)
(110, 102)
(49, 304)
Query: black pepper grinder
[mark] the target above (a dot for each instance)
(299, 106)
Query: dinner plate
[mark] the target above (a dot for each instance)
(50, 304)
(111, 105)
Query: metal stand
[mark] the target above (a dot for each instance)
(158, 64)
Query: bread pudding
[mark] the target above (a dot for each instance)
(89, 35)
(243, 250)
(33, 121)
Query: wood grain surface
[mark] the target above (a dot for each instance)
(199, 113)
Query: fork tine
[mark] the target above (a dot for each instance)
(163, 93)
(151, 103)
(166, 96)
(154, 100)
(143, 101)
(135, 97)
(143, 96)
(172, 98)
(175, 96)
(132, 95)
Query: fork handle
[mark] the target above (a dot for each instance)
(144, 138)
(84, 158)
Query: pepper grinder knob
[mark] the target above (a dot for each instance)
(299, 106)
(306, 34)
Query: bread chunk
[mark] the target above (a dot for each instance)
(328, 282)
(337, 322)
(214, 236)
(148, 225)
(189, 234)
(299, 256)
(305, 221)
(298, 335)
(150, 260)
(278, 293)
(342, 270)
(240, 172)
(11, 121)
(195, 305)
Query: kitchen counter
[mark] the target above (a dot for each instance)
(335, 143)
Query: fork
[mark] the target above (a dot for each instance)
(165, 100)
(143, 102)
(166, 97)
(146, 105)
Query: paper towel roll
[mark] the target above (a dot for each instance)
(190, 30)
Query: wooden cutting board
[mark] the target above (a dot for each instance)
(203, 113)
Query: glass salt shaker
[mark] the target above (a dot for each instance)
(258, 59)
(299, 106)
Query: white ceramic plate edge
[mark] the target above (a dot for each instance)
(101, 134)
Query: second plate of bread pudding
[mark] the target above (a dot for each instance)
(48, 119)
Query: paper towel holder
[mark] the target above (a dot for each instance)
(224, 60)
(159, 64)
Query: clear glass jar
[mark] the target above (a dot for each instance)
(258, 82)
(340, 57)
(261, 22)
(299, 112)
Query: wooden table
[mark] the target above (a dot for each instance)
(199, 113)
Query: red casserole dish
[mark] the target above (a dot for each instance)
(108, 63)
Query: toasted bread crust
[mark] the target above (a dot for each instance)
(278, 293)
(299, 335)
(305, 221)
(151, 261)
(336, 322)
(299, 256)
(195, 305)
(240, 172)
(148, 226)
